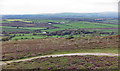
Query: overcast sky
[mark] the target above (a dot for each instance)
(57, 6)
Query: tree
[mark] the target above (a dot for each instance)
(3, 32)
(21, 38)
(17, 27)
(7, 34)
(112, 33)
(16, 39)
(70, 36)
(34, 34)
(32, 37)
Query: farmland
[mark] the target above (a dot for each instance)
(37, 27)
(110, 21)
(18, 20)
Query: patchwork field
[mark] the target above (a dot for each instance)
(42, 28)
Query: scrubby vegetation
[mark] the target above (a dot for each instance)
(35, 47)
(68, 62)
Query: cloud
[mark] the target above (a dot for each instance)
(56, 6)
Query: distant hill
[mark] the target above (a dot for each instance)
(65, 15)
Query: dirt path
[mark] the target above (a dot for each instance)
(58, 55)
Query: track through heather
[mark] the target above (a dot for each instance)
(58, 55)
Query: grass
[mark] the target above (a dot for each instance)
(46, 21)
(5, 22)
(110, 21)
(14, 29)
(26, 37)
(82, 24)
(61, 27)
(21, 34)
(32, 28)
(105, 50)
(109, 30)
(22, 20)
(72, 25)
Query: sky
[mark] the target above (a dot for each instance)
(57, 6)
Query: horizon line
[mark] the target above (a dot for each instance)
(59, 13)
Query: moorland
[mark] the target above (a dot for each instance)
(25, 36)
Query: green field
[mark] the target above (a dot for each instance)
(110, 21)
(15, 29)
(46, 21)
(67, 25)
(27, 37)
(82, 24)
(19, 20)
(5, 22)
